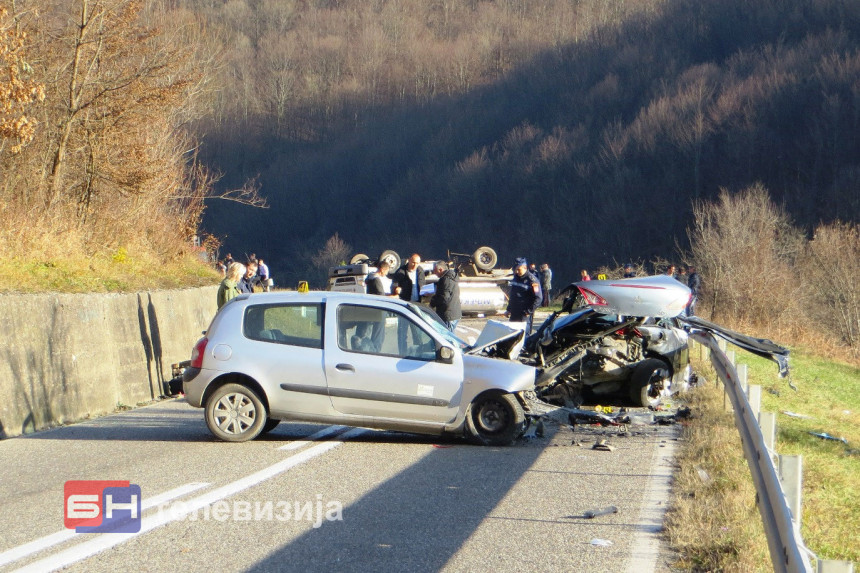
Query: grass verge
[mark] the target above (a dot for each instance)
(120, 271)
(714, 522)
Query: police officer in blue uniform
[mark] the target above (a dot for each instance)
(525, 296)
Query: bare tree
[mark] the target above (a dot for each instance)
(334, 252)
(744, 246)
(830, 270)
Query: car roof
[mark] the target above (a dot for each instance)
(317, 296)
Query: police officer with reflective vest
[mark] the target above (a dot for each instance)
(525, 296)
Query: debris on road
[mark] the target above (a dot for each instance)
(603, 446)
(601, 542)
(592, 513)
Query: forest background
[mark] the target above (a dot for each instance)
(582, 133)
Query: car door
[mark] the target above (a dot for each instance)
(286, 348)
(380, 362)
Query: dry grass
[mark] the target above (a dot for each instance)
(714, 522)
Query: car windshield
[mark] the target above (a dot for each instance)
(432, 319)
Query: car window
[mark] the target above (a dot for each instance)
(295, 324)
(433, 320)
(371, 330)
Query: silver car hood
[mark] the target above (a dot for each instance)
(658, 296)
(507, 335)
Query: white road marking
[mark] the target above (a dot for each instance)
(310, 439)
(148, 523)
(42, 543)
(646, 540)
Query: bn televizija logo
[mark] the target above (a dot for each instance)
(99, 506)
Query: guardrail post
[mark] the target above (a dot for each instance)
(743, 376)
(791, 476)
(754, 399)
(767, 423)
(832, 566)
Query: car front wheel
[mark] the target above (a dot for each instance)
(234, 413)
(496, 419)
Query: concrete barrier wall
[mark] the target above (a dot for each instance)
(66, 357)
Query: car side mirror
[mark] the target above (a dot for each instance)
(445, 354)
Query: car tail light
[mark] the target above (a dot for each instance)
(627, 330)
(592, 298)
(198, 352)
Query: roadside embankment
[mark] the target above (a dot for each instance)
(66, 357)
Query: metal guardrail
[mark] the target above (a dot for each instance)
(782, 531)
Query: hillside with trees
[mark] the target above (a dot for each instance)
(577, 132)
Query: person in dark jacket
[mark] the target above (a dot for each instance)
(546, 283)
(409, 279)
(629, 273)
(694, 281)
(525, 296)
(250, 282)
(446, 300)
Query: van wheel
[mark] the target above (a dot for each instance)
(234, 413)
(485, 258)
(648, 381)
(496, 419)
(358, 259)
(393, 260)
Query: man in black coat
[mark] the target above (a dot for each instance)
(446, 300)
(546, 282)
(409, 279)
(525, 296)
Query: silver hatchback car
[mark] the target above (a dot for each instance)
(352, 359)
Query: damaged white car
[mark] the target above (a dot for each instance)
(614, 338)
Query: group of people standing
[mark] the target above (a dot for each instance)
(407, 282)
(238, 278)
(691, 278)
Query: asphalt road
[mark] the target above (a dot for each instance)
(318, 498)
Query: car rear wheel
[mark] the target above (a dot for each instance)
(648, 381)
(485, 258)
(358, 259)
(496, 419)
(234, 413)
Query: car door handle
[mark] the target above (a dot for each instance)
(345, 367)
